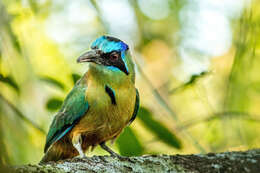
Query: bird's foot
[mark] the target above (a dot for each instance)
(81, 157)
(114, 154)
(119, 156)
(111, 152)
(77, 145)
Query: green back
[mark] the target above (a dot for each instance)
(74, 107)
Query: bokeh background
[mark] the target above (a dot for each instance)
(198, 71)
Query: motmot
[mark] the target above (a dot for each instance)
(101, 104)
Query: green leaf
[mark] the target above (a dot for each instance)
(52, 81)
(75, 77)
(53, 104)
(10, 81)
(158, 128)
(13, 38)
(128, 143)
(194, 78)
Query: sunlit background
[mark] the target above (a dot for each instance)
(197, 61)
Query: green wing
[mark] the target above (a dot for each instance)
(74, 107)
(137, 104)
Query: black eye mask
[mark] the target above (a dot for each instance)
(114, 59)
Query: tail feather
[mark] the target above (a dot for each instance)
(59, 152)
(51, 155)
(46, 158)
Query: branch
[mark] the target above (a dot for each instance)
(244, 115)
(228, 162)
(193, 79)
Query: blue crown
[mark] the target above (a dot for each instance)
(109, 44)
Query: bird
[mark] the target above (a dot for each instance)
(100, 105)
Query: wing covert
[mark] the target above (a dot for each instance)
(74, 107)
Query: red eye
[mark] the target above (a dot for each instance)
(114, 56)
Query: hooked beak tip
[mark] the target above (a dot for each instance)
(78, 60)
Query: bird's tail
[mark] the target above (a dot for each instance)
(46, 158)
(59, 152)
(50, 155)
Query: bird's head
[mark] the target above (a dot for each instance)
(109, 54)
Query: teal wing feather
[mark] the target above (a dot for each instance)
(137, 105)
(74, 107)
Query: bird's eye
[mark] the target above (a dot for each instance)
(114, 56)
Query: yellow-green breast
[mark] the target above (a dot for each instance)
(105, 120)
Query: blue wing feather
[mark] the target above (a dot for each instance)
(74, 107)
(63, 133)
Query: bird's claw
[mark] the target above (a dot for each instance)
(115, 155)
(81, 157)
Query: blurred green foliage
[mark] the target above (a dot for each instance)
(158, 129)
(183, 109)
(9, 80)
(52, 82)
(128, 144)
(53, 104)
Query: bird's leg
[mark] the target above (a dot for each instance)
(77, 141)
(111, 152)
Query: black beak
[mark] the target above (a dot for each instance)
(90, 56)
